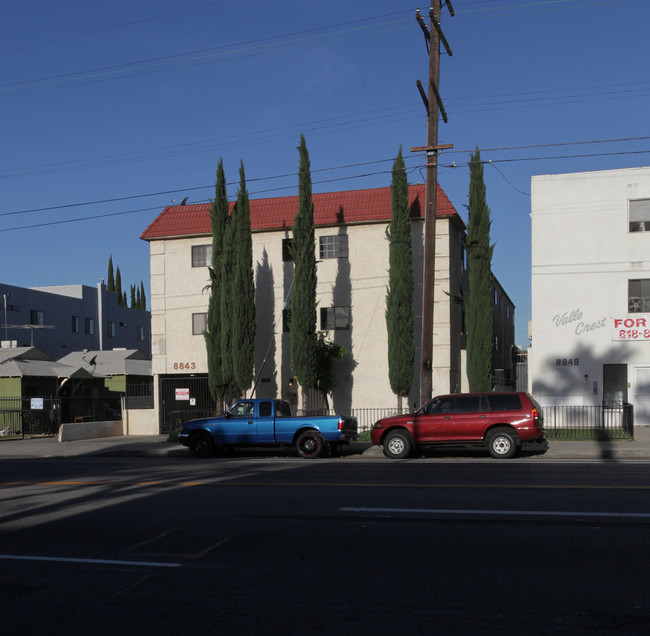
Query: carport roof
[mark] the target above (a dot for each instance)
(109, 363)
(32, 362)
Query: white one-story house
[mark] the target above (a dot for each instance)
(591, 289)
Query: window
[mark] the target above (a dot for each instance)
(504, 402)
(36, 317)
(287, 246)
(439, 405)
(140, 333)
(335, 246)
(282, 409)
(469, 404)
(639, 215)
(334, 318)
(463, 257)
(90, 326)
(111, 329)
(242, 409)
(199, 323)
(638, 295)
(201, 255)
(266, 409)
(75, 324)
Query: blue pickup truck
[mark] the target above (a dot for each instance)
(267, 423)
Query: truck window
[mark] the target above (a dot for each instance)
(265, 409)
(242, 409)
(282, 409)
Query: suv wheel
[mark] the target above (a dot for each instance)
(501, 443)
(397, 445)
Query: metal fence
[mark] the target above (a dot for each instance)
(561, 422)
(139, 396)
(91, 409)
(366, 418)
(29, 416)
(607, 421)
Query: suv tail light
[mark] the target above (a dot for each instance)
(535, 415)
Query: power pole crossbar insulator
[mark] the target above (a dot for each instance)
(425, 29)
(441, 35)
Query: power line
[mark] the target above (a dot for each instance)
(245, 48)
(355, 176)
(293, 186)
(123, 25)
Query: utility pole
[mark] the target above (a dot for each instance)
(433, 103)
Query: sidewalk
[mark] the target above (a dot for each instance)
(157, 446)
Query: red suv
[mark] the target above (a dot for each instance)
(503, 423)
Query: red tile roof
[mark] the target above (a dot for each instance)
(330, 208)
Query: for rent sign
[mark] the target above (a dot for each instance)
(636, 329)
(182, 394)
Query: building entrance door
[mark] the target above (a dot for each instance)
(614, 384)
(642, 396)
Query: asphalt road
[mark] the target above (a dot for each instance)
(284, 546)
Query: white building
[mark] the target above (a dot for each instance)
(352, 253)
(591, 289)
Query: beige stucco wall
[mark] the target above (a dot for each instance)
(359, 282)
(139, 422)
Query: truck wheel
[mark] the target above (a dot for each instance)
(310, 444)
(501, 443)
(397, 445)
(201, 445)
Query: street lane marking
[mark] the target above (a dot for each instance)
(530, 513)
(92, 561)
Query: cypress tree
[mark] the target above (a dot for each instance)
(400, 317)
(243, 292)
(133, 299)
(118, 286)
(302, 329)
(478, 303)
(110, 282)
(225, 311)
(143, 298)
(219, 219)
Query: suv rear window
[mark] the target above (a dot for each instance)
(504, 402)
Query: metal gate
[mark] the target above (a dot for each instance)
(183, 398)
(29, 416)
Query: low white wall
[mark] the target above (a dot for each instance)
(89, 430)
(140, 422)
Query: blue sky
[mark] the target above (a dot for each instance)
(109, 111)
